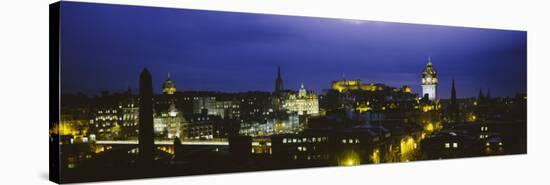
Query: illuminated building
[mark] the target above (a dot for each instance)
(169, 87)
(343, 147)
(224, 109)
(406, 89)
(130, 119)
(107, 123)
(74, 127)
(207, 103)
(203, 126)
(257, 129)
(292, 123)
(349, 85)
(304, 103)
(450, 144)
(170, 124)
(255, 107)
(429, 81)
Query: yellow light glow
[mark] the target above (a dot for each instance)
(350, 159)
(363, 108)
(430, 127)
(427, 108)
(375, 157)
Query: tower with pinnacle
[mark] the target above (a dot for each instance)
(429, 82)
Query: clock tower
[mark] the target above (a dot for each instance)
(429, 81)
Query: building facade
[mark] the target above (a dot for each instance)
(429, 82)
(304, 103)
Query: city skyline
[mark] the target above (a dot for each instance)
(314, 51)
(220, 92)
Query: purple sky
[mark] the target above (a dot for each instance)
(104, 47)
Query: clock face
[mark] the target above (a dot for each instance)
(428, 79)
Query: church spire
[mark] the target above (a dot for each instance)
(453, 105)
(279, 81)
(480, 96)
(278, 72)
(453, 92)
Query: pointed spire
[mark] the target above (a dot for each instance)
(278, 72)
(453, 106)
(168, 75)
(453, 91)
(302, 85)
(480, 96)
(128, 89)
(279, 81)
(429, 60)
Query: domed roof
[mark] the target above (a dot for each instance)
(169, 87)
(429, 69)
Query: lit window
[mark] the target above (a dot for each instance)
(455, 145)
(447, 145)
(343, 141)
(284, 140)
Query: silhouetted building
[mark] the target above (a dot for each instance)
(240, 146)
(279, 82)
(146, 136)
(453, 105)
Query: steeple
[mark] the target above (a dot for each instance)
(279, 81)
(453, 105)
(429, 61)
(453, 92)
(278, 72)
(480, 96)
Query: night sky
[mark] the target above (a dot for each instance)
(105, 47)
